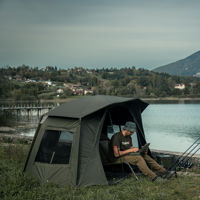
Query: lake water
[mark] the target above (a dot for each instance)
(172, 127)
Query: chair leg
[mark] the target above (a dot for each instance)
(127, 163)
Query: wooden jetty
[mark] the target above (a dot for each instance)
(25, 107)
(28, 108)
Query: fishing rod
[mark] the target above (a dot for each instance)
(190, 154)
(183, 159)
(187, 161)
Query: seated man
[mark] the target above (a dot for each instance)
(121, 146)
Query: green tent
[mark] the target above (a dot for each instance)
(65, 149)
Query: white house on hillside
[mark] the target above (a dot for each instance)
(180, 86)
(60, 91)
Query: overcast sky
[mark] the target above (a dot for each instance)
(98, 33)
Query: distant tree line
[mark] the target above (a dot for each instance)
(128, 81)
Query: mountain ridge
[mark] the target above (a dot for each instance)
(189, 66)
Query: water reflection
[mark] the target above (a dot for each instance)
(28, 132)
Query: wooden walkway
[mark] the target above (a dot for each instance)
(25, 108)
(12, 108)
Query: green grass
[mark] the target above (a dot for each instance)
(14, 185)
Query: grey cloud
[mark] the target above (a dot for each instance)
(89, 32)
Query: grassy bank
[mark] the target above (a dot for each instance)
(14, 185)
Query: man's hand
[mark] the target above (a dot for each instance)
(134, 149)
(118, 153)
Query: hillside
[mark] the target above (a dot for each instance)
(26, 83)
(189, 66)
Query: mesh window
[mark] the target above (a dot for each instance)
(112, 130)
(55, 147)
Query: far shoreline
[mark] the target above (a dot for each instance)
(172, 100)
(147, 99)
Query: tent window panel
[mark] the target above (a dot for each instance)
(112, 130)
(55, 147)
